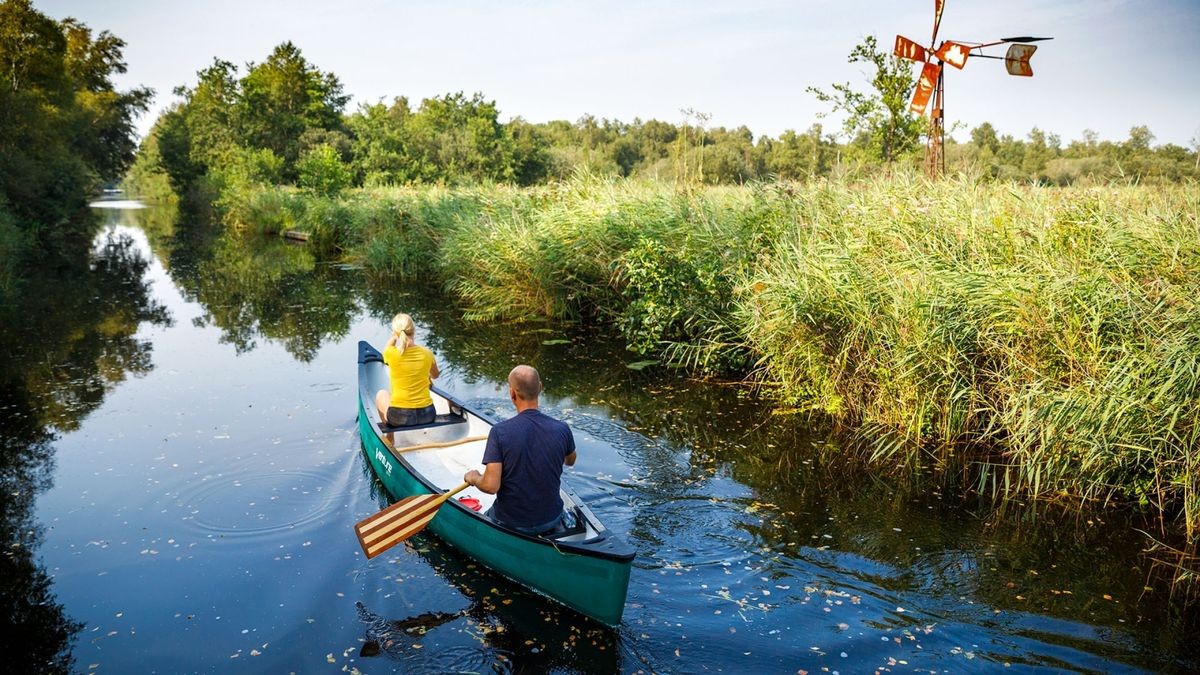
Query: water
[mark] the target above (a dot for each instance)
(182, 472)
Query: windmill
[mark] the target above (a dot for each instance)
(930, 84)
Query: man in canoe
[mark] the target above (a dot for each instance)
(412, 368)
(523, 461)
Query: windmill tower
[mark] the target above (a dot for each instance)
(931, 86)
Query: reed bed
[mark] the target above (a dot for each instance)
(1041, 341)
(1050, 336)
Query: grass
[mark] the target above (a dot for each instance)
(1037, 341)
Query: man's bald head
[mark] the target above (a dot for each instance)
(525, 383)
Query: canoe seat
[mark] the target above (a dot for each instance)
(561, 532)
(438, 421)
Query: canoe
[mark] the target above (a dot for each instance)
(586, 568)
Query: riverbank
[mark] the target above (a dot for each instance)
(1017, 340)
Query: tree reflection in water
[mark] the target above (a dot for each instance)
(68, 340)
(254, 288)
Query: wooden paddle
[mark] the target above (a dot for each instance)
(400, 521)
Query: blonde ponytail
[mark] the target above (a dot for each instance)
(402, 326)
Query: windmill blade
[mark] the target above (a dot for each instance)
(937, 18)
(1017, 60)
(954, 53)
(925, 86)
(907, 49)
(1025, 39)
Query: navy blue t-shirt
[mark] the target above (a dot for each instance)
(532, 447)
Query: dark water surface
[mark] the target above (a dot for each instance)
(182, 472)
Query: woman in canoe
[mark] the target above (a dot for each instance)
(412, 368)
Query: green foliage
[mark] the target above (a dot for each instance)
(322, 172)
(233, 132)
(669, 295)
(281, 98)
(381, 154)
(801, 156)
(63, 126)
(453, 137)
(147, 179)
(245, 182)
(882, 114)
(12, 247)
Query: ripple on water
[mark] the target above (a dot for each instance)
(257, 504)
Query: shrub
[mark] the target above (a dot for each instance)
(322, 171)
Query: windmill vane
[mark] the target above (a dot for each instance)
(930, 83)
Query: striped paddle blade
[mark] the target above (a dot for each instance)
(399, 521)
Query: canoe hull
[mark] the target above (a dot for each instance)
(591, 578)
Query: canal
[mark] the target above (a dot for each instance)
(182, 471)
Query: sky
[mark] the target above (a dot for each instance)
(1113, 64)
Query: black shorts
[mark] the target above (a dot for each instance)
(410, 417)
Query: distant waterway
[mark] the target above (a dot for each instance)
(182, 471)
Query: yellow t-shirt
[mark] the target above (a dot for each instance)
(410, 376)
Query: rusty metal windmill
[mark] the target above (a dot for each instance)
(930, 84)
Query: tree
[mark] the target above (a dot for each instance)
(322, 171)
(454, 137)
(1139, 139)
(883, 115)
(984, 137)
(801, 156)
(211, 114)
(380, 150)
(1037, 153)
(531, 152)
(63, 125)
(282, 97)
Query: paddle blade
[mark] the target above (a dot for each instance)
(396, 523)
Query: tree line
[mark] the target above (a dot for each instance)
(64, 127)
(284, 121)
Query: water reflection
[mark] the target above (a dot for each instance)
(754, 536)
(499, 626)
(69, 338)
(253, 288)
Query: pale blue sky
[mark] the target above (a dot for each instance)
(1113, 63)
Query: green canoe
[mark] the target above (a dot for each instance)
(586, 569)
